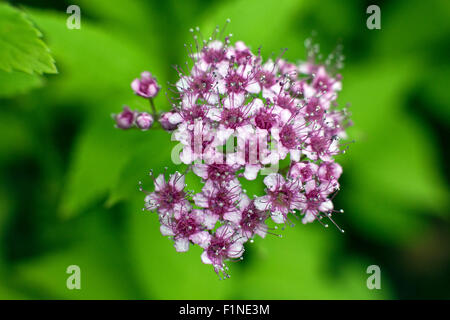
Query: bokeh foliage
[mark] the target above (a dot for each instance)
(69, 179)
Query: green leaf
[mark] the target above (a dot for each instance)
(258, 29)
(20, 45)
(163, 272)
(391, 172)
(298, 266)
(100, 153)
(142, 159)
(99, 251)
(97, 68)
(16, 82)
(302, 265)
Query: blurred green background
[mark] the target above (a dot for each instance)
(69, 195)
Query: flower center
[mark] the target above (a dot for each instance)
(213, 55)
(235, 83)
(319, 144)
(288, 137)
(265, 120)
(232, 117)
(186, 227)
(283, 198)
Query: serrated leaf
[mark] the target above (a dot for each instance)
(16, 82)
(97, 65)
(97, 70)
(21, 47)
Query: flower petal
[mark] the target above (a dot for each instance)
(205, 258)
(201, 238)
(274, 181)
(160, 182)
(166, 230)
(181, 244)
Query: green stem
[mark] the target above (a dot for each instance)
(152, 105)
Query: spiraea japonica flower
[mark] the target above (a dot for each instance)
(236, 116)
(168, 195)
(145, 86)
(144, 121)
(125, 119)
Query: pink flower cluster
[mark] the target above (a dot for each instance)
(236, 117)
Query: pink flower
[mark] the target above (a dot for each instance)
(334, 124)
(314, 109)
(167, 194)
(185, 227)
(235, 117)
(268, 80)
(199, 83)
(199, 141)
(146, 86)
(252, 151)
(305, 170)
(288, 69)
(239, 81)
(191, 111)
(291, 134)
(216, 172)
(266, 118)
(329, 171)
(286, 101)
(253, 220)
(144, 121)
(224, 244)
(165, 123)
(316, 200)
(240, 54)
(213, 53)
(319, 146)
(125, 119)
(326, 85)
(221, 202)
(281, 197)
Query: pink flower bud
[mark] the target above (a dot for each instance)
(146, 86)
(125, 119)
(144, 121)
(165, 123)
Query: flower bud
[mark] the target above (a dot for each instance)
(144, 121)
(146, 86)
(125, 119)
(165, 123)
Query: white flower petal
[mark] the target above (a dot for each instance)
(233, 216)
(205, 258)
(273, 181)
(181, 244)
(278, 217)
(251, 171)
(159, 182)
(166, 231)
(201, 200)
(262, 203)
(253, 87)
(201, 238)
(200, 170)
